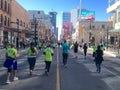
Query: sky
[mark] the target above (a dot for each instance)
(99, 6)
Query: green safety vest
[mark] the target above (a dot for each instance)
(30, 53)
(40, 44)
(48, 54)
(102, 48)
(94, 48)
(11, 52)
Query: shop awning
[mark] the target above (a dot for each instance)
(114, 30)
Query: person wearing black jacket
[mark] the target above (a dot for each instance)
(75, 49)
(85, 49)
(99, 58)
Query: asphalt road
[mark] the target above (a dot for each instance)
(79, 75)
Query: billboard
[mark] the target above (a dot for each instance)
(86, 15)
(67, 26)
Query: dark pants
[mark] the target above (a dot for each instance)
(48, 64)
(85, 52)
(32, 61)
(65, 57)
(98, 65)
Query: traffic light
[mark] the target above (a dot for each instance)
(81, 30)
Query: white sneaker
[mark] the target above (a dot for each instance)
(16, 78)
(8, 82)
(31, 72)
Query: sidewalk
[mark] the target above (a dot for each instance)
(108, 52)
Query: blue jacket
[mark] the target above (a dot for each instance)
(65, 47)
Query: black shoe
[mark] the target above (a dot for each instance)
(30, 72)
(46, 73)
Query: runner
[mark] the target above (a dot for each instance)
(65, 47)
(48, 52)
(32, 52)
(11, 61)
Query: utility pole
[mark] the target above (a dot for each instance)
(107, 37)
(80, 21)
(103, 28)
(17, 39)
(35, 23)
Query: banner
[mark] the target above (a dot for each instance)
(86, 15)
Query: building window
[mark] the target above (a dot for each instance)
(38, 12)
(24, 24)
(111, 2)
(5, 5)
(8, 21)
(5, 20)
(21, 23)
(0, 3)
(1, 18)
(17, 21)
(118, 14)
(9, 8)
(103, 26)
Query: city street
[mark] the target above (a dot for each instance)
(80, 73)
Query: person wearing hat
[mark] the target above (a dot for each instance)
(32, 52)
(48, 52)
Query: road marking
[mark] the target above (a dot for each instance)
(58, 74)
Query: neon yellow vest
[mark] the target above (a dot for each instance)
(48, 54)
(30, 53)
(11, 52)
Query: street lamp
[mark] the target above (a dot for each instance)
(103, 28)
(35, 28)
(107, 37)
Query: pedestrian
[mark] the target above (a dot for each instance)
(32, 53)
(99, 58)
(85, 47)
(39, 45)
(11, 62)
(8, 45)
(75, 49)
(65, 47)
(94, 47)
(48, 52)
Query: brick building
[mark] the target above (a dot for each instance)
(14, 22)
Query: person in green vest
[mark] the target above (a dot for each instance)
(32, 52)
(94, 47)
(102, 47)
(11, 62)
(48, 52)
(39, 45)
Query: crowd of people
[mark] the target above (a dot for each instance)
(48, 51)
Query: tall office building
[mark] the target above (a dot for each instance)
(53, 22)
(53, 18)
(66, 16)
(74, 16)
(66, 25)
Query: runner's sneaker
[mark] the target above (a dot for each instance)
(8, 82)
(30, 72)
(15, 78)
